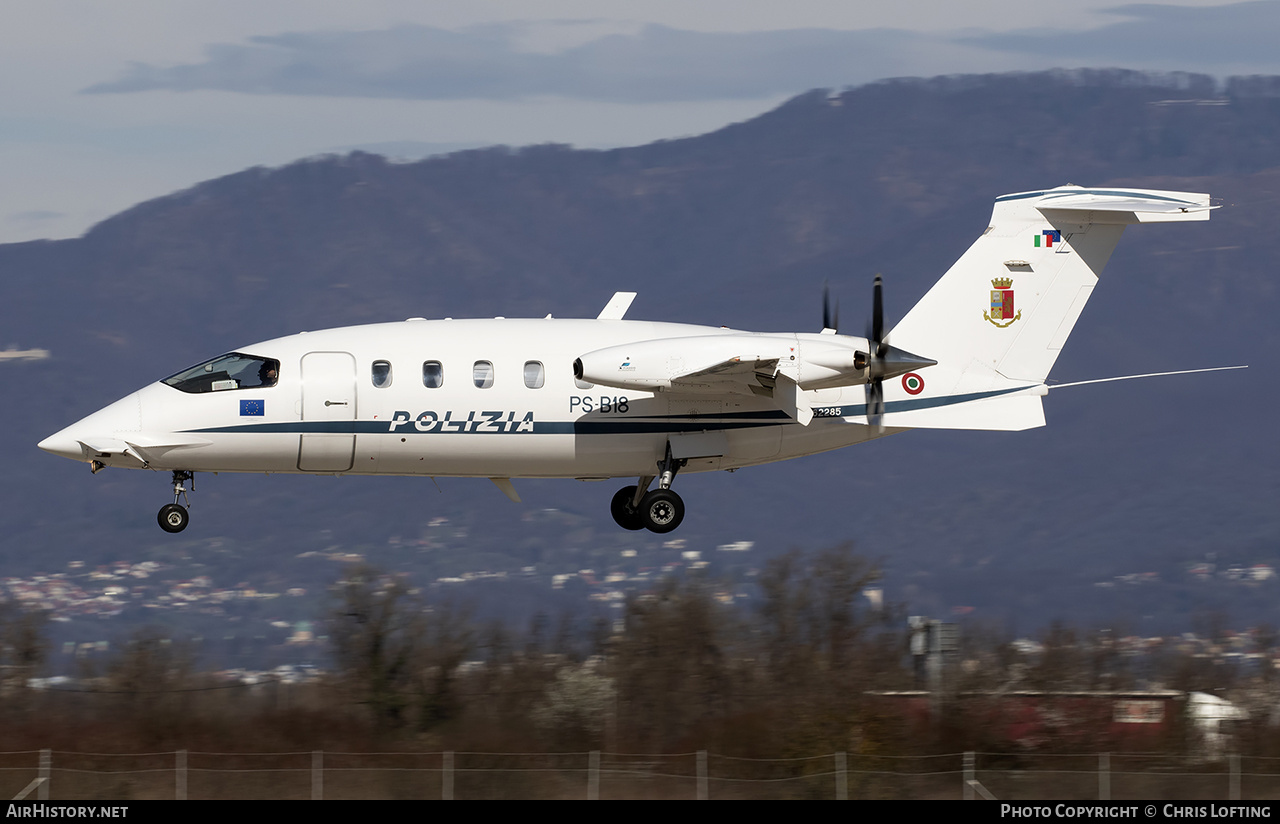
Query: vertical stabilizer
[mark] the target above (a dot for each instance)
(1005, 309)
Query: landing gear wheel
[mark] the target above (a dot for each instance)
(661, 510)
(173, 517)
(623, 515)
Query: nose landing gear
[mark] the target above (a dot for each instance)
(659, 510)
(173, 517)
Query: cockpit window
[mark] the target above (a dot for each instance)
(232, 371)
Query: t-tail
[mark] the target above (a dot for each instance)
(999, 317)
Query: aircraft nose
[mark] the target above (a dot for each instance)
(63, 444)
(98, 429)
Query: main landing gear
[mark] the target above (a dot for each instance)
(659, 510)
(173, 517)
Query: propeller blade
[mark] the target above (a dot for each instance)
(875, 404)
(877, 314)
(830, 319)
(876, 362)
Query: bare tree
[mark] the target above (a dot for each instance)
(396, 655)
(24, 647)
(814, 621)
(376, 632)
(672, 666)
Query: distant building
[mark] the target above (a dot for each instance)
(1030, 719)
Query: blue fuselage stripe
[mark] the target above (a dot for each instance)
(587, 425)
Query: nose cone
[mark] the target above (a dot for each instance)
(98, 432)
(64, 444)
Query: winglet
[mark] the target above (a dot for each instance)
(617, 306)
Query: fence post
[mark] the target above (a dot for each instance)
(1234, 792)
(446, 779)
(969, 776)
(180, 776)
(702, 775)
(317, 775)
(1104, 776)
(842, 777)
(46, 767)
(593, 776)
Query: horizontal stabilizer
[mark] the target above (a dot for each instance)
(1123, 206)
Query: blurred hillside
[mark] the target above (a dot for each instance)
(739, 227)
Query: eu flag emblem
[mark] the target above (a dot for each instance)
(252, 409)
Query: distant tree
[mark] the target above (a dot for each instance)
(823, 649)
(147, 664)
(576, 708)
(148, 682)
(814, 616)
(672, 665)
(24, 647)
(448, 639)
(1062, 663)
(376, 632)
(397, 657)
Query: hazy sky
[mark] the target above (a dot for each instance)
(108, 104)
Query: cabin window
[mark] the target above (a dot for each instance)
(534, 375)
(433, 374)
(381, 374)
(234, 370)
(482, 374)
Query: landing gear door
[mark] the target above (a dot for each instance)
(328, 412)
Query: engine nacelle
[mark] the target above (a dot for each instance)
(722, 362)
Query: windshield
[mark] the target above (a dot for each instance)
(232, 371)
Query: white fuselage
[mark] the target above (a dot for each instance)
(326, 415)
(609, 398)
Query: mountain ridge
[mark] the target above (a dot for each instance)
(739, 227)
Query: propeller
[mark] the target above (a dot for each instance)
(876, 360)
(883, 361)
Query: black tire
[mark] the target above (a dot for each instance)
(173, 518)
(662, 510)
(620, 508)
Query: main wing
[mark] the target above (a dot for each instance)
(733, 375)
(733, 363)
